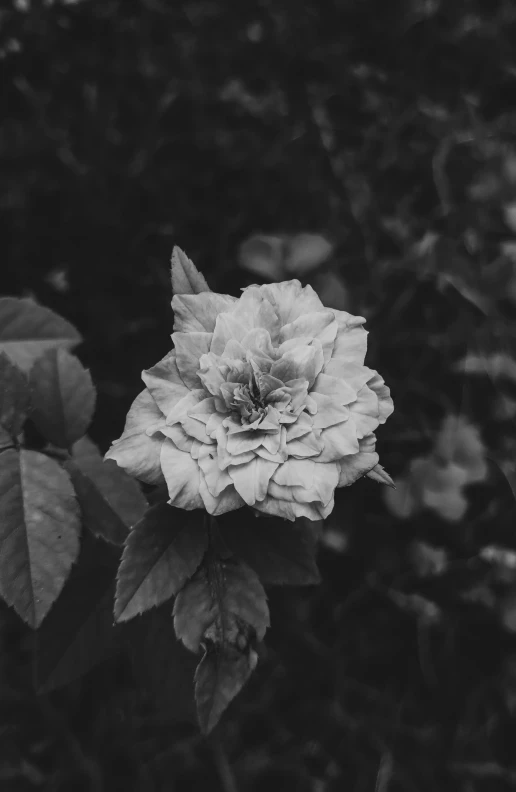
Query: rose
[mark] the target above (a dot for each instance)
(265, 400)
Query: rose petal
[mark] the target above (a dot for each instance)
(251, 480)
(227, 501)
(255, 311)
(302, 426)
(307, 446)
(204, 410)
(300, 363)
(135, 451)
(385, 403)
(354, 467)
(328, 412)
(323, 480)
(351, 341)
(189, 349)
(289, 510)
(198, 312)
(182, 475)
(164, 382)
(337, 389)
(354, 375)
(242, 442)
(338, 441)
(317, 324)
(227, 328)
(216, 479)
(178, 436)
(290, 300)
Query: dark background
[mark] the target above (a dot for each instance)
(386, 127)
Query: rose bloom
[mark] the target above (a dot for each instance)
(265, 401)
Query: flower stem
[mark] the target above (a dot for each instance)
(224, 770)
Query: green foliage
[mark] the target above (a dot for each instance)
(219, 677)
(280, 553)
(39, 538)
(387, 129)
(52, 478)
(63, 397)
(111, 501)
(27, 330)
(162, 552)
(14, 397)
(186, 279)
(223, 608)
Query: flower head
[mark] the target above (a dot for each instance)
(265, 401)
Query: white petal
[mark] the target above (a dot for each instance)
(339, 441)
(354, 467)
(326, 479)
(289, 510)
(184, 405)
(135, 451)
(178, 436)
(182, 475)
(303, 362)
(216, 479)
(290, 299)
(295, 473)
(318, 324)
(227, 501)
(385, 403)
(251, 480)
(353, 374)
(255, 311)
(164, 382)
(227, 328)
(310, 445)
(198, 312)
(189, 349)
(351, 341)
(302, 426)
(334, 387)
(328, 412)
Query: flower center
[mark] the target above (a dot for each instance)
(248, 403)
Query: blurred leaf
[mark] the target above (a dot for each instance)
(79, 631)
(186, 278)
(509, 214)
(401, 501)
(468, 291)
(459, 442)
(332, 291)
(161, 664)
(39, 532)
(6, 441)
(63, 397)
(306, 252)
(220, 676)
(440, 487)
(14, 396)
(111, 501)
(279, 553)
(428, 560)
(27, 330)
(162, 552)
(263, 255)
(222, 600)
(507, 610)
(496, 366)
